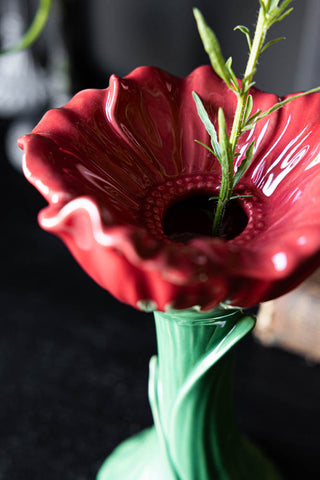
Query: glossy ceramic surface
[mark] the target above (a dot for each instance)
(111, 162)
(195, 436)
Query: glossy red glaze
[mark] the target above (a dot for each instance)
(112, 161)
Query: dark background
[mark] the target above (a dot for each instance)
(73, 360)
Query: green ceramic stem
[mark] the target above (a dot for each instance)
(195, 399)
(195, 436)
(181, 346)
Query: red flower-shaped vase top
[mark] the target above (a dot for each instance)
(112, 163)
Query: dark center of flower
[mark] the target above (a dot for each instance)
(193, 217)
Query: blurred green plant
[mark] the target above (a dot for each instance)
(35, 29)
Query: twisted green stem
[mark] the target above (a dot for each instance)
(190, 389)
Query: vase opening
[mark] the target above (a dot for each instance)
(192, 217)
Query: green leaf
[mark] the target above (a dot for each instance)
(234, 197)
(279, 105)
(223, 135)
(212, 47)
(246, 32)
(244, 164)
(249, 126)
(279, 19)
(34, 30)
(251, 121)
(229, 63)
(245, 85)
(275, 13)
(208, 125)
(278, 13)
(248, 110)
(283, 6)
(224, 143)
(272, 42)
(205, 146)
(233, 77)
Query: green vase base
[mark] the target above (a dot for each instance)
(137, 458)
(141, 458)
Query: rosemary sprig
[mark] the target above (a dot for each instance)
(224, 146)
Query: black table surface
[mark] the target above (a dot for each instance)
(74, 365)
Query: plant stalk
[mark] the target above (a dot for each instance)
(226, 189)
